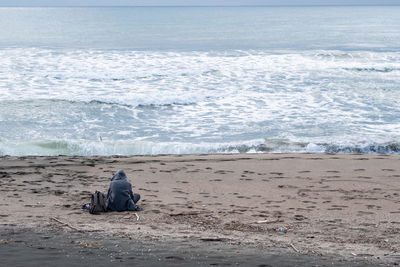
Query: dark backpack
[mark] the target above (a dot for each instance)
(98, 203)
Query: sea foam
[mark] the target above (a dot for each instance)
(60, 101)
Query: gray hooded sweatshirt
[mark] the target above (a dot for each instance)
(120, 196)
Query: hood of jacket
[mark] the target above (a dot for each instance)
(119, 175)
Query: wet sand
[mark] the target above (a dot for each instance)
(341, 209)
(59, 248)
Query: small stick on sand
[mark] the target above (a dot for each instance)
(294, 248)
(184, 213)
(268, 221)
(137, 216)
(66, 224)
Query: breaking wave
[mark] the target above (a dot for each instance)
(100, 148)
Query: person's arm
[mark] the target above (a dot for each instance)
(130, 191)
(109, 191)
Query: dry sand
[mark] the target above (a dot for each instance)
(343, 205)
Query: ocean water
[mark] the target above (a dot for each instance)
(161, 80)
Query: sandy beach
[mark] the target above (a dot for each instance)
(340, 209)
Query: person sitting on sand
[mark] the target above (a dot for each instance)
(120, 196)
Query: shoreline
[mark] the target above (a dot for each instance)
(328, 204)
(55, 247)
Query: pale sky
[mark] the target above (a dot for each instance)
(191, 2)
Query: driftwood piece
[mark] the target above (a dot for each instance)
(294, 248)
(269, 221)
(184, 214)
(66, 224)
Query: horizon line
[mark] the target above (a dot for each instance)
(280, 5)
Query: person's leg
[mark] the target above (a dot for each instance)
(136, 198)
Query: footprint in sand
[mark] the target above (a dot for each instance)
(58, 192)
(359, 170)
(339, 207)
(364, 177)
(373, 207)
(181, 197)
(299, 217)
(287, 186)
(332, 176)
(174, 258)
(144, 189)
(272, 159)
(168, 171)
(246, 179)
(223, 172)
(194, 171)
(360, 213)
(277, 213)
(180, 192)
